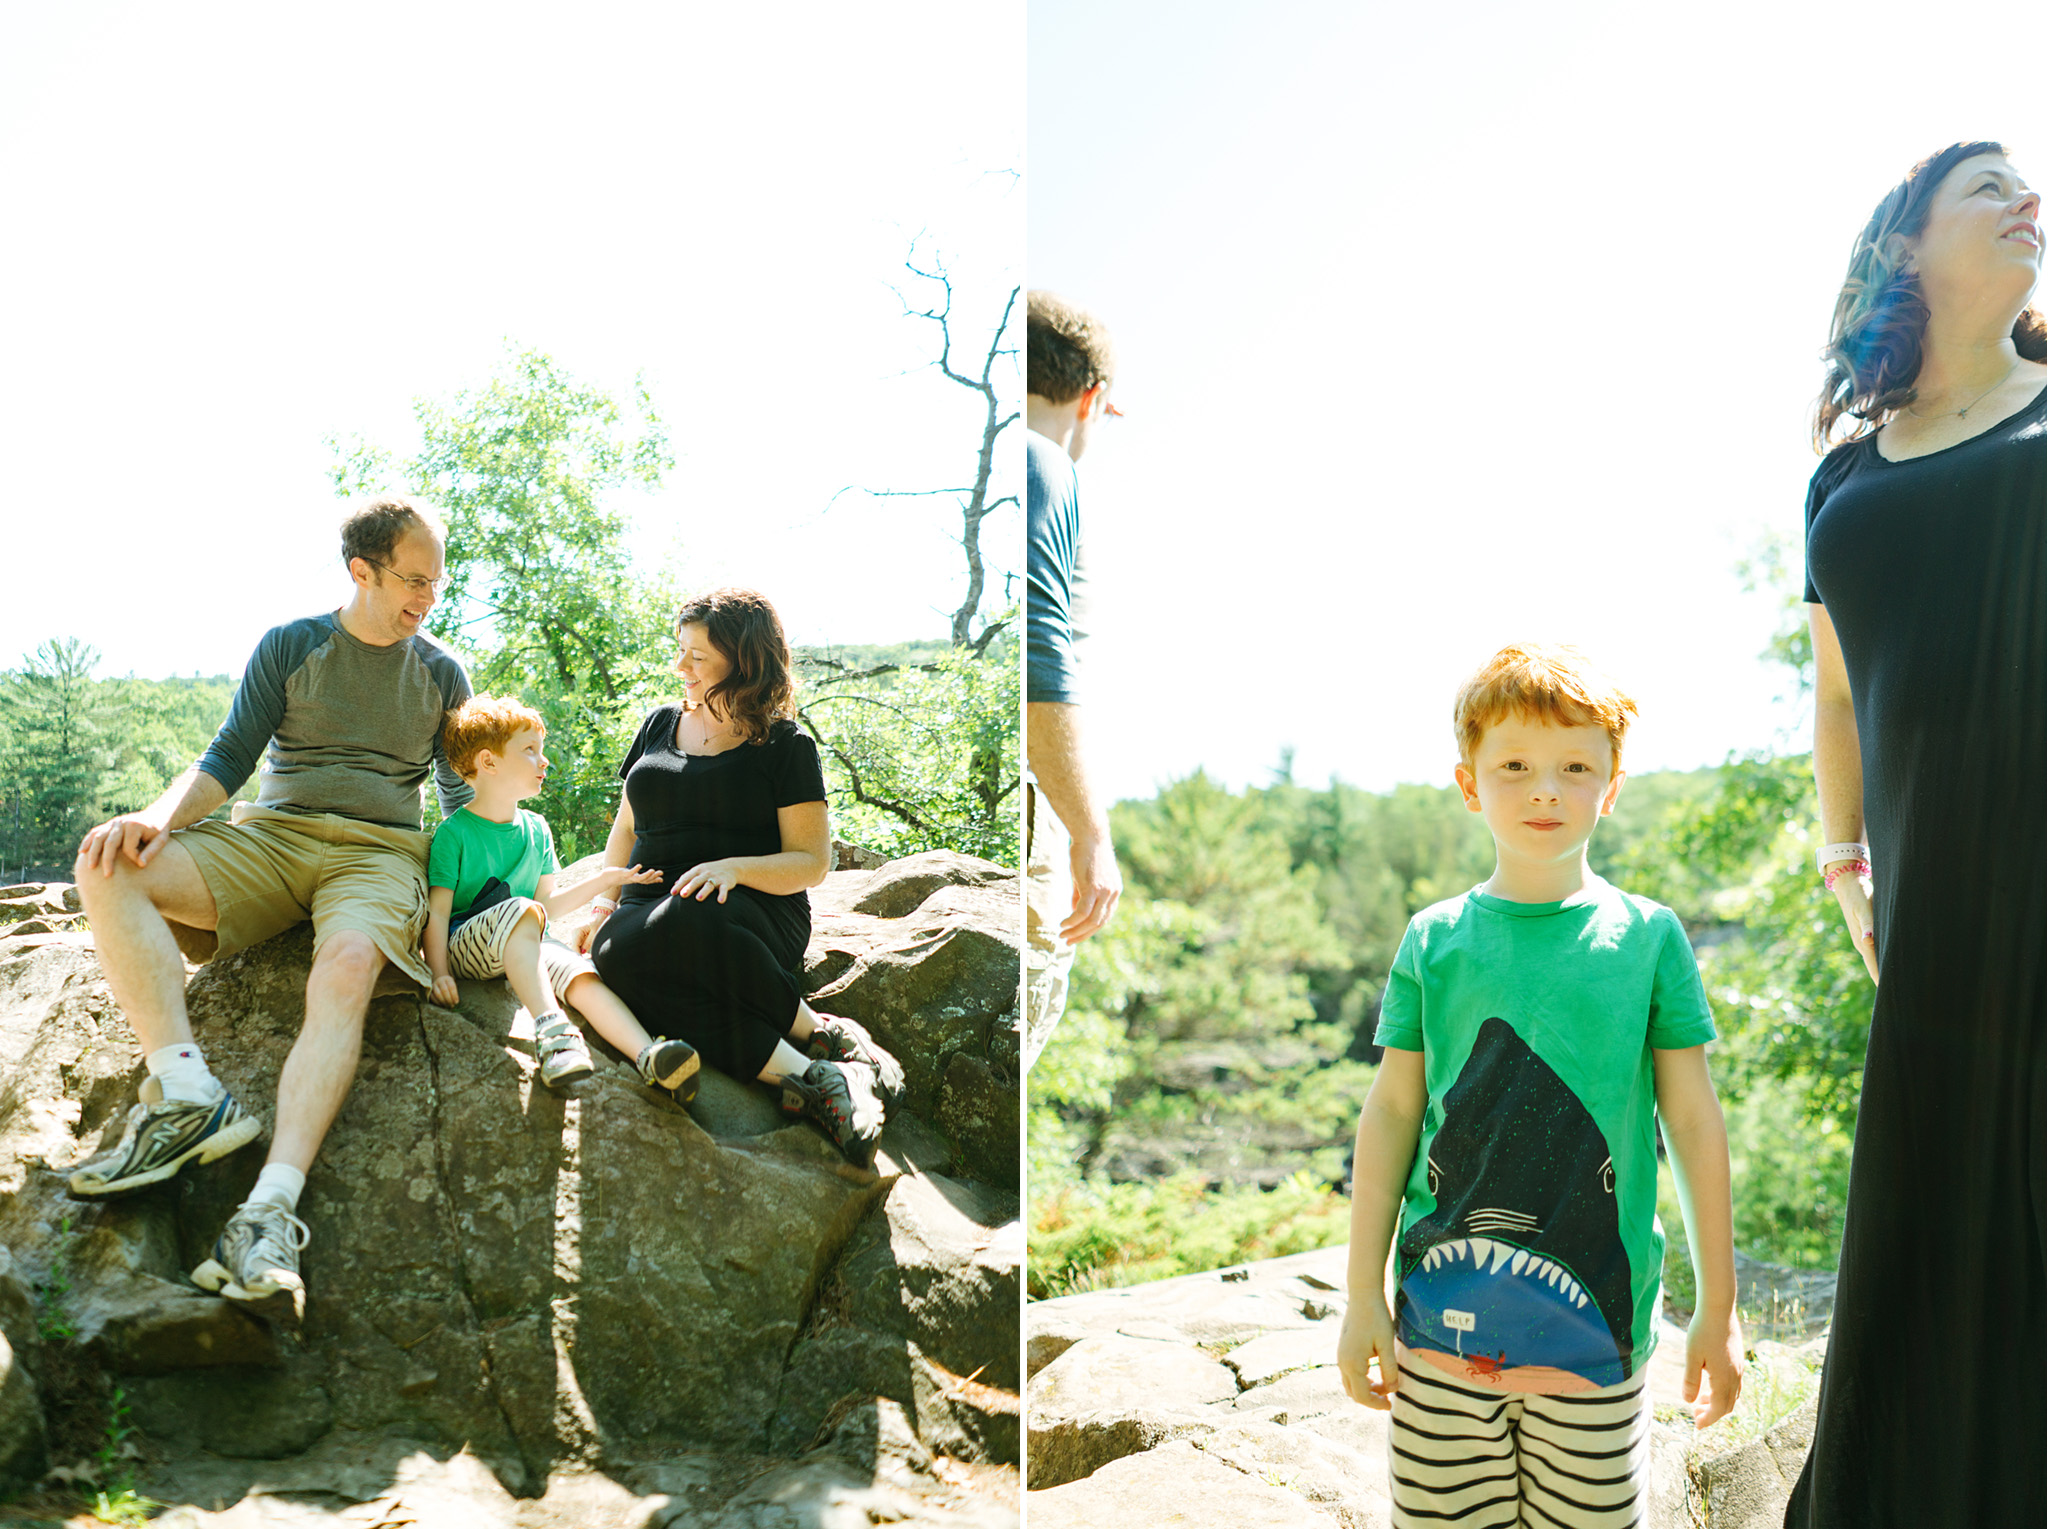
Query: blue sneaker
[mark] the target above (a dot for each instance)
(162, 1136)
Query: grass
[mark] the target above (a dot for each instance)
(52, 1320)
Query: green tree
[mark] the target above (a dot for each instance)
(542, 596)
(923, 755)
(59, 724)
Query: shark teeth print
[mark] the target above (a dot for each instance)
(1488, 1256)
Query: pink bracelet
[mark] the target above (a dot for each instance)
(1843, 868)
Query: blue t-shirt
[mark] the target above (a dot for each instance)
(1529, 1236)
(1052, 553)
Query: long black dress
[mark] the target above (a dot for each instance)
(722, 976)
(1931, 1405)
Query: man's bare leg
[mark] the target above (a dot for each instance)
(127, 912)
(322, 1065)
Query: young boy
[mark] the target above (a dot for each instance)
(491, 891)
(1536, 1030)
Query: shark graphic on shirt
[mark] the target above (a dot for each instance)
(1521, 1261)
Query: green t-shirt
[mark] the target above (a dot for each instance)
(1529, 1232)
(469, 850)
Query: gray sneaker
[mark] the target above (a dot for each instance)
(559, 1044)
(162, 1136)
(256, 1261)
(836, 1038)
(672, 1065)
(841, 1097)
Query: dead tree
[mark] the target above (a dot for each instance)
(975, 505)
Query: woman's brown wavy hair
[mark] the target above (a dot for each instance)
(1873, 349)
(758, 690)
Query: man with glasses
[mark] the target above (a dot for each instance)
(349, 706)
(1067, 375)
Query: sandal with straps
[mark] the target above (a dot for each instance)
(559, 1044)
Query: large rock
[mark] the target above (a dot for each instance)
(1214, 1399)
(547, 1284)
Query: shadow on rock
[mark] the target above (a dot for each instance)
(553, 1295)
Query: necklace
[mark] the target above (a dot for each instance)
(1966, 408)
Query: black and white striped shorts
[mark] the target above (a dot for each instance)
(477, 950)
(1492, 1459)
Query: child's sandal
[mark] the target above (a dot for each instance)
(563, 1056)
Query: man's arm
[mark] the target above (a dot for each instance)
(139, 836)
(1053, 747)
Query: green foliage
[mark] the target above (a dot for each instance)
(1086, 1236)
(76, 749)
(525, 469)
(921, 752)
(53, 1318)
(57, 723)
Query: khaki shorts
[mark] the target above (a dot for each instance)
(270, 870)
(477, 950)
(1048, 899)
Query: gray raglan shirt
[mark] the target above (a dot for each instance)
(352, 729)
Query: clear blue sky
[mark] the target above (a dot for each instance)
(237, 229)
(1441, 326)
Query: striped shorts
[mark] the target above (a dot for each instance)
(1506, 1459)
(477, 949)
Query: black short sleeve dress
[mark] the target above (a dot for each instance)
(1931, 1405)
(722, 976)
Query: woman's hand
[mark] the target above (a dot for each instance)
(700, 881)
(587, 935)
(1852, 893)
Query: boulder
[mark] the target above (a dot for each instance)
(555, 1289)
(1214, 1399)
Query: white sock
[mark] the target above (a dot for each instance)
(278, 1184)
(181, 1072)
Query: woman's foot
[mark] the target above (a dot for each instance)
(672, 1065)
(841, 1097)
(559, 1044)
(838, 1039)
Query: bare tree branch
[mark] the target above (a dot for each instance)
(894, 808)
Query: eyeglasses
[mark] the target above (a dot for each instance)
(419, 584)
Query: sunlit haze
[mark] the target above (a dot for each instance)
(236, 230)
(1441, 327)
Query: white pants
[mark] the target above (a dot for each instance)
(1491, 1459)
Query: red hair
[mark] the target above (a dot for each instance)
(1545, 682)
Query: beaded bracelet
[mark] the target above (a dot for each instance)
(1836, 872)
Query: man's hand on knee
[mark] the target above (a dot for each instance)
(131, 836)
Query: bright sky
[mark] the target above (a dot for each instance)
(238, 229)
(1438, 326)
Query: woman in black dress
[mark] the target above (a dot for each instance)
(725, 795)
(1925, 573)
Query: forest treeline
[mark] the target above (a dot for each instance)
(1197, 1104)
(530, 470)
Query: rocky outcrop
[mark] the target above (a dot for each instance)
(598, 1297)
(1214, 1400)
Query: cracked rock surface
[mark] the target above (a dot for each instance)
(597, 1300)
(1214, 1400)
